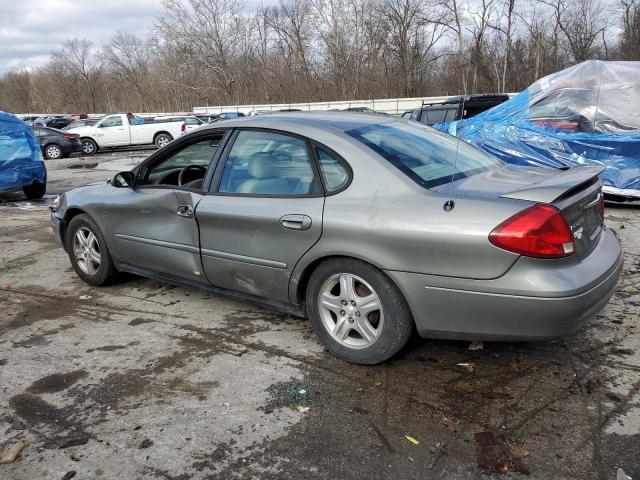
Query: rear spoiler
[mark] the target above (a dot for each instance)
(564, 184)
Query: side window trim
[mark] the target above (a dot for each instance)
(214, 187)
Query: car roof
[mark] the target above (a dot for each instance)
(341, 121)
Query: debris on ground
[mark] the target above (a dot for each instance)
(18, 424)
(239, 353)
(6, 287)
(633, 302)
(518, 451)
(412, 440)
(495, 395)
(437, 452)
(146, 443)
(69, 475)
(479, 345)
(622, 475)
(451, 425)
(516, 367)
(468, 366)
(302, 409)
(10, 454)
(74, 442)
(463, 386)
(85, 297)
(494, 457)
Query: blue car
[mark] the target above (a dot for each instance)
(21, 163)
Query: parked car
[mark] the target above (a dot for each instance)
(227, 116)
(119, 131)
(347, 219)
(81, 123)
(456, 108)
(57, 122)
(29, 119)
(41, 120)
(190, 122)
(583, 115)
(359, 109)
(57, 144)
(21, 165)
(78, 116)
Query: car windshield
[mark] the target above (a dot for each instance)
(425, 155)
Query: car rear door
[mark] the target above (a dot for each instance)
(263, 213)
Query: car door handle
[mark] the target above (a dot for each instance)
(185, 211)
(296, 222)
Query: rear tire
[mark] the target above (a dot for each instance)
(53, 151)
(358, 313)
(88, 252)
(162, 140)
(89, 147)
(35, 190)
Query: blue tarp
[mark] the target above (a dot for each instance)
(21, 161)
(588, 114)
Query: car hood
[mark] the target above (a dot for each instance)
(81, 130)
(522, 183)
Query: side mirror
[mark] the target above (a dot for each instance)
(123, 179)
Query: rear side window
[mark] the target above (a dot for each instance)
(268, 163)
(334, 173)
(423, 154)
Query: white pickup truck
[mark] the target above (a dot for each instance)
(117, 131)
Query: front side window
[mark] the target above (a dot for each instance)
(268, 163)
(112, 122)
(197, 156)
(334, 174)
(425, 155)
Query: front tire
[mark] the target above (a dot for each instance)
(162, 140)
(359, 314)
(89, 147)
(53, 151)
(88, 252)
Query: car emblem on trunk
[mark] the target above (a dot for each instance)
(578, 233)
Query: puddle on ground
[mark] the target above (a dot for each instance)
(30, 204)
(82, 165)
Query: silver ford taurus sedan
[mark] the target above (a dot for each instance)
(366, 224)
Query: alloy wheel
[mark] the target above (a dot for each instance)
(351, 310)
(163, 141)
(87, 147)
(53, 151)
(86, 251)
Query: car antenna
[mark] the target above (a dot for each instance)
(450, 204)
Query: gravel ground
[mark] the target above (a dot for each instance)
(146, 380)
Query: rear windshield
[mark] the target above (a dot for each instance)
(425, 155)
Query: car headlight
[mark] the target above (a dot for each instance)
(57, 202)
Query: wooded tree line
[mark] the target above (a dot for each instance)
(216, 52)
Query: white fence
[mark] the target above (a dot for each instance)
(387, 105)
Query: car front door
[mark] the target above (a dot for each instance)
(263, 213)
(153, 224)
(112, 132)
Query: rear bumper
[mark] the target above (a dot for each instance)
(534, 300)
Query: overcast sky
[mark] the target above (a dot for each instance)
(31, 29)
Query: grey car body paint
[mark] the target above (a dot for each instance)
(457, 284)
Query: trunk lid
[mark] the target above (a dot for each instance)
(575, 192)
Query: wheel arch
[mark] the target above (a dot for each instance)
(161, 132)
(69, 214)
(86, 137)
(303, 271)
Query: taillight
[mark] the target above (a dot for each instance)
(184, 127)
(601, 205)
(539, 231)
(70, 136)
